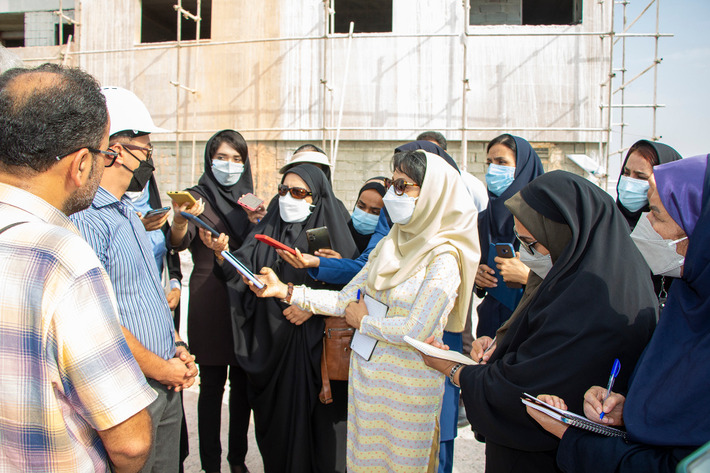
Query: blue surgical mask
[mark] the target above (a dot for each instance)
(364, 222)
(633, 193)
(227, 173)
(499, 178)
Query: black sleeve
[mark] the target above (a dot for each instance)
(585, 452)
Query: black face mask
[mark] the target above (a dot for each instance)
(141, 175)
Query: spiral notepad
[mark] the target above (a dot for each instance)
(571, 418)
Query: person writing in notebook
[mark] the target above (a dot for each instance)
(666, 412)
(587, 302)
(422, 271)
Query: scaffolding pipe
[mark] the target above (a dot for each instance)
(324, 73)
(464, 89)
(654, 135)
(342, 97)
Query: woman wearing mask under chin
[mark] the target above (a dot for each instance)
(226, 178)
(280, 346)
(512, 164)
(632, 191)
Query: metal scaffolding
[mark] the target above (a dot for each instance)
(610, 98)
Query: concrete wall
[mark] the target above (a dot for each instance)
(496, 12)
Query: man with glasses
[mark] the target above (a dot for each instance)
(114, 230)
(72, 396)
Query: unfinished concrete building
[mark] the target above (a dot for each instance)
(288, 72)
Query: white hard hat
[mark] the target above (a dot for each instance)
(312, 157)
(128, 112)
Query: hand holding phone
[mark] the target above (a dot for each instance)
(506, 250)
(274, 243)
(154, 212)
(200, 223)
(250, 202)
(182, 197)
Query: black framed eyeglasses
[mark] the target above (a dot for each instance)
(148, 150)
(400, 185)
(110, 156)
(527, 245)
(296, 192)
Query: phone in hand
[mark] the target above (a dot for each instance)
(239, 266)
(200, 223)
(506, 250)
(154, 212)
(275, 243)
(182, 197)
(250, 202)
(318, 239)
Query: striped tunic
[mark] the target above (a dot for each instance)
(394, 400)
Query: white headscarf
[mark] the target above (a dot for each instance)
(444, 220)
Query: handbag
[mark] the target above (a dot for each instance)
(335, 361)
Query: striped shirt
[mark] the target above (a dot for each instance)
(119, 239)
(65, 368)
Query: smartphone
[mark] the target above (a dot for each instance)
(154, 212)
(250, 201)
(242, 269)
(275, 243)
(200, 223)
(506, 250)
(318, 239)
(182, 197)
(696, 462)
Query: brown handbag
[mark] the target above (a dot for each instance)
(335, 362)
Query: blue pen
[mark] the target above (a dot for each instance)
(358, 294)
(616, 367)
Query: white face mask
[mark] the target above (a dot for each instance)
(294, 210)
(537, 262)
(400, 207)
(227, 173)
(660, 254)
(138, 197)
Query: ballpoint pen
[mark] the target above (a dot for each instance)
(616, 367)
(493, 342)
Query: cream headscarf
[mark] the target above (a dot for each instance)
(444, 220)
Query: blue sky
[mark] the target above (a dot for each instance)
(683, 75)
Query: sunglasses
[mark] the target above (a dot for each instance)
(527, 245)
(296, 192)
(110, 156)
(148, 151)
(399, 185)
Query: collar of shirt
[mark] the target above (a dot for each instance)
(104, 198)
(34, 205)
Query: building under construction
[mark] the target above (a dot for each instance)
(355, 77)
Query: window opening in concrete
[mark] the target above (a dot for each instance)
(12, 30)
(525, 12)
(370, 16)
(158, 21)
(67, 30)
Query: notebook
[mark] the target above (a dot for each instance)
(571, 418)
(450, 355)
(362, 344)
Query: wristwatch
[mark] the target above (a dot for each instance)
(453, 371)
(182, 344)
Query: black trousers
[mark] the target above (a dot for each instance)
(209, 415)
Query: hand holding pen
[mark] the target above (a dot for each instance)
(616, 367)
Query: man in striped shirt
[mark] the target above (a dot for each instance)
(72, 398)
(118, 237)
